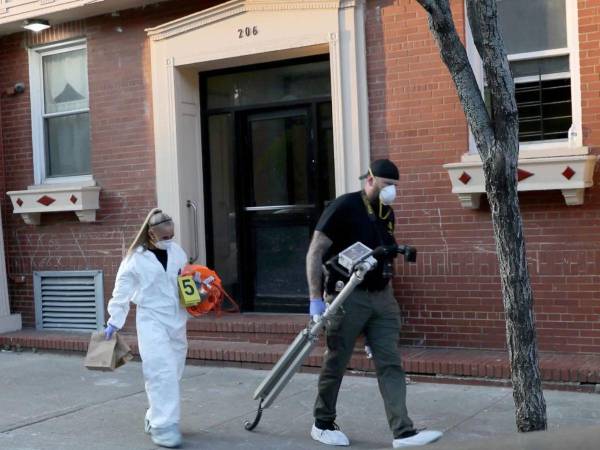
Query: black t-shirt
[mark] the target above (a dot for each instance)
(161, 255)
(346, 221)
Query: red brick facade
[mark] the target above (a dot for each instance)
(451, 297)
(122, 143)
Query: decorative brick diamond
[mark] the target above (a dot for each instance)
(46, 201)
(523, 174)
(19, 202)
(73, 199)
(464, 178)
(568, 173)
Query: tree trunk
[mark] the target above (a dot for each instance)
(498, 144)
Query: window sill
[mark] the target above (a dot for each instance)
(81, 198)
(571, 174)
(538, 150)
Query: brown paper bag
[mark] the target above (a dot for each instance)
(123, 352)
(107, 355)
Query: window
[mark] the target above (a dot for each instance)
(60, 112)
(542, 45)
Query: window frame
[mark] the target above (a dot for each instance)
(38, 116)
(550, 147)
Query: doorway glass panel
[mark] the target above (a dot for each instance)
(279, 159)
(327, 163)
(224, 240)
(280, 258)
(270, 85)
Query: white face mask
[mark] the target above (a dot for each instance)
(163, 245)
(387, 194)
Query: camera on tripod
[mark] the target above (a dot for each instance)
(339, 268)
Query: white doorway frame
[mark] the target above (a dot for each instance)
(217, 38)
(8, 322)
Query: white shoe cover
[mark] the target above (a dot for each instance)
(329, 437)
(147, 423)
(421, 438)
(166, 437)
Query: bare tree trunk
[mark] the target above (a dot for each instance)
(498, 145)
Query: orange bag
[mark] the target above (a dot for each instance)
(211, 291)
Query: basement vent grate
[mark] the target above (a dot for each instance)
(69, 300)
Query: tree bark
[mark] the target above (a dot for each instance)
(498, 144)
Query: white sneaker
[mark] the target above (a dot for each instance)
(329, 437)
(421, 438)
(166, 437)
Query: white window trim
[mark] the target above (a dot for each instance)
(552, 76)
(36, 83)
(574, 67)
(539, 54)
(568, 146)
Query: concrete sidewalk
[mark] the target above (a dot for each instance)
(50, 401)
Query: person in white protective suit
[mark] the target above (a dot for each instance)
(148, 277)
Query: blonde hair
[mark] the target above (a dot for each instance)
(155, 217)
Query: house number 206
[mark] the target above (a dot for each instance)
(247, 32)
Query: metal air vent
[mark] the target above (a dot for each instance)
(68, 300)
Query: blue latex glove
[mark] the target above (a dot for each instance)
(109, 331)
(317, 307)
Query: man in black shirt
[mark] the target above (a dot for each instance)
(365, 216)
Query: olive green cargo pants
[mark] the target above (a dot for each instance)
(377, 315)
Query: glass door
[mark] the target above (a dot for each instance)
(268, 172)
(279, 206)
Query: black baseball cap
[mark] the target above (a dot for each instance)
(382, 168)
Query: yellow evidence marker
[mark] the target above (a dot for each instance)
(188, 292)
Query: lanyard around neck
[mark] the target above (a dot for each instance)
(370, 211)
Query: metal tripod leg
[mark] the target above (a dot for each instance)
(282, 365)
(296, 353)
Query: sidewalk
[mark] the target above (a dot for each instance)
(51, 402)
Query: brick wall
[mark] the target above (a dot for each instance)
(122, 139)
(451, 297)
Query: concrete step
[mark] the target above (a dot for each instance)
(259, 328)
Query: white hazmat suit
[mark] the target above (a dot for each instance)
(161, 326)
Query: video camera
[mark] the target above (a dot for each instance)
(339, 268)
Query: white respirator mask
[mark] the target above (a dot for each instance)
(387, 194)
(163, 245)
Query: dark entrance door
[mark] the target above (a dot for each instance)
(270, 168)
(279, 206)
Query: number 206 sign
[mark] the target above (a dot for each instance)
(247, 32)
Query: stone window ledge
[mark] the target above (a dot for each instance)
(81, 198)
(570, 174)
